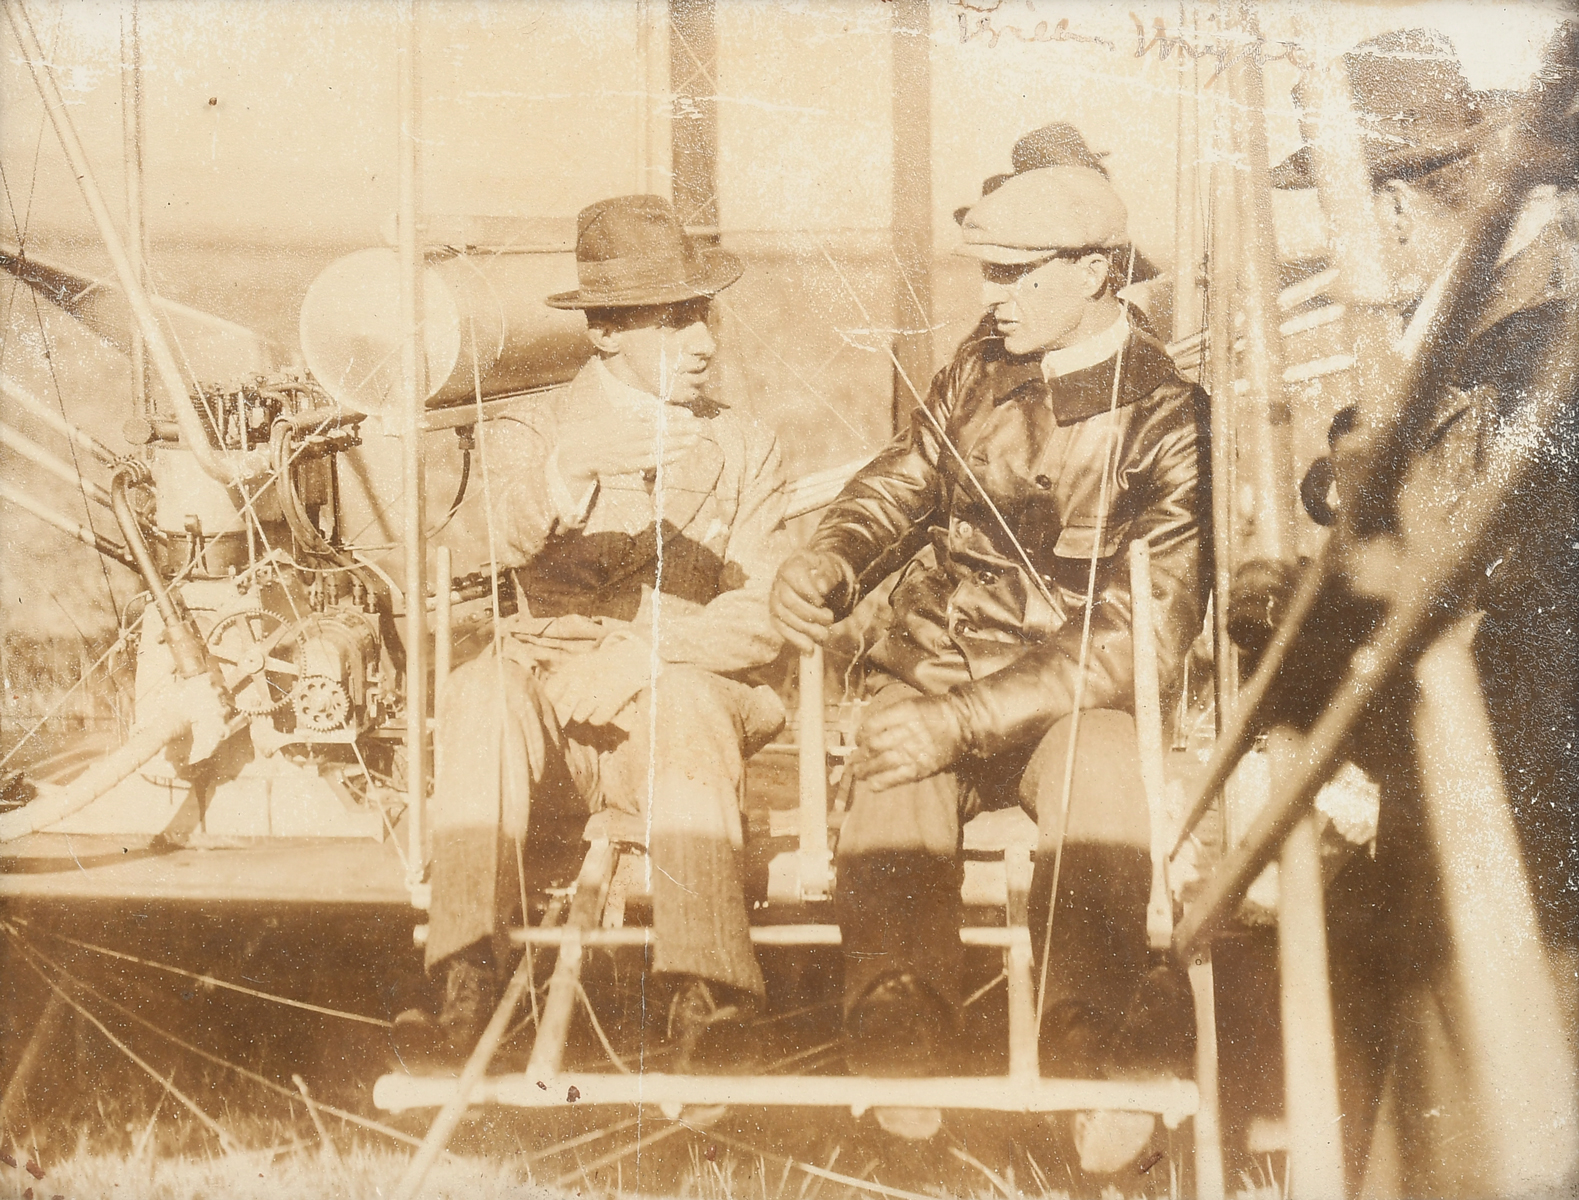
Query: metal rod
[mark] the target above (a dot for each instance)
(1173, 1099)
(228, 468)
(814, 856)
(15, 495)
(1310, 1062)
(35, 407)
(132, 126)
(1503, 998)
(413, 394)
(443, 625)
(17, 442)
(1435, 567)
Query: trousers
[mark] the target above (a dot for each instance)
(676, 764)
(900, 870)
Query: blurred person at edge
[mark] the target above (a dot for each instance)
(643, 523)
(973, 682)
(1390, 947)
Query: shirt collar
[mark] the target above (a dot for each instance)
(1099, 347)
(618, 391)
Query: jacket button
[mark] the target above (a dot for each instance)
(986, 578)
(963, 528)
(1043, 482)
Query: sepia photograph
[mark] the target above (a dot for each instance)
(789, 599)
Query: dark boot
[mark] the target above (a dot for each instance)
(898, 1027)
(423, 1041)
(708, 1028)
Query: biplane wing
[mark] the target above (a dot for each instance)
(209, 347)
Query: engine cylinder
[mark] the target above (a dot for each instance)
(350, 327)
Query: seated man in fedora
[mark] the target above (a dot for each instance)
(642, 521)
(1069, 436)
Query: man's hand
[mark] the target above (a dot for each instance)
(799, 599)
(907, 741)
(590, 450)
(589, 689)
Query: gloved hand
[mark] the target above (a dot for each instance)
(1261, 592)
(910, 740)
(809, 589)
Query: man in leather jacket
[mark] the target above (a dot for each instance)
(1069, 434)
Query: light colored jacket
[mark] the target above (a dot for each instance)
(584, 576)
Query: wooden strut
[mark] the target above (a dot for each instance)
(592, 885)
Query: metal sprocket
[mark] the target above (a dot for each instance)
(248, 646)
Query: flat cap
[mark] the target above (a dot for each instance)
(1037, 212)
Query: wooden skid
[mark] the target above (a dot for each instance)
(1172, 1099)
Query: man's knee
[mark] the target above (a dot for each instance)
(487, 686)
(1107, 801)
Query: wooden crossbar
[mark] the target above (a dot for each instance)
(1171, 1099)
(761, 935)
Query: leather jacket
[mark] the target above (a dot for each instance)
(966, 620)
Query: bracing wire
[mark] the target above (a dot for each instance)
(210, 1057)
(1109, 454)
(207, 980)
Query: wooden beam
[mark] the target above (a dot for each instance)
(912, 201)
(1172, 1099)
(693, 129)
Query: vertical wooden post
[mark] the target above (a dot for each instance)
(1310, 1067)
(1266, 423)
(1017, 961)
(693, 131)
(814, 855)
(1187, 306)
(1223, 272)
(912, 201)
(1148, 734)
(652, 175)
(414, 391)
(1502, 995)
(1209, 1183)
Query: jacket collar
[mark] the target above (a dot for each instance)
(1081, 394)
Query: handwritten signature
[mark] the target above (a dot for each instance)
(1226, 50)
(980, 20)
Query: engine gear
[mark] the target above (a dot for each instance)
(320, 704)
(257, 651)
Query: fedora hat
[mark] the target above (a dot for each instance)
(632, 250)
(1415, 109)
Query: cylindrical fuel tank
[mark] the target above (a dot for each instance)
(350, 327)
